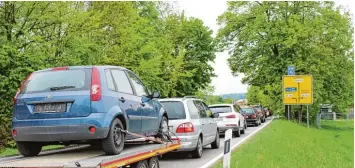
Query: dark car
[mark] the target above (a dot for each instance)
(267, 112)
(84, 104)
(251, 115)
(260, 111)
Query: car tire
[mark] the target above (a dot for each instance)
(29, 149)
(114, 142)
(141, 164)
(242, 131)
(237, 133)
(215, 143)
(153, 162)
(197, 152)
(245, 125)
(164, 128)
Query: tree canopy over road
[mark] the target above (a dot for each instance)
(265, 37)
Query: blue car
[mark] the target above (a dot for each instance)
(84, 104)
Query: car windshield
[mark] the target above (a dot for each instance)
(221, 109)
(247, 110)
(175, 109)
(49, 81)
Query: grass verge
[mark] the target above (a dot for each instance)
(13, 151)
(287, 144)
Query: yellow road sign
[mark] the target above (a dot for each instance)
(297, 89)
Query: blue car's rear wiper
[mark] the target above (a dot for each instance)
(61, 87)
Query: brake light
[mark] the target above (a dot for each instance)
(253, 116)
(14, 132)
(95, 93)
(230, 116)
(92, 129)
(60, 68)
(21, 87)
(185, 127)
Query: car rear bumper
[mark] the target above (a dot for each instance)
(251, 121)
(62, 129)
(59, 133)
(222, 127)
(188, 143)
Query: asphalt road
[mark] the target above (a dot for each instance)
(184, 160)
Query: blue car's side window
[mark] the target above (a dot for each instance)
(138, 85)
(121, 81)
(109, 80)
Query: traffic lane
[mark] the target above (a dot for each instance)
(184, 159)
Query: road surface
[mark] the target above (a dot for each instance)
(184, 160)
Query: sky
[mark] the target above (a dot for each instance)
(225, 82)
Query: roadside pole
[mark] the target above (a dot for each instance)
(227, 149)
(307, 118)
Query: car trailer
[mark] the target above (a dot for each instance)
(137, 154)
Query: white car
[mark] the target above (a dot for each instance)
(229, 117)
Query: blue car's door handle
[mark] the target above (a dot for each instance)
(122, 99)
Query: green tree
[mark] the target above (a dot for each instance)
(265, 37)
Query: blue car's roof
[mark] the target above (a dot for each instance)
(86, 66)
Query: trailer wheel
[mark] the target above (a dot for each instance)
(114, 142)
(28, 148)
(141, 164)
(153, 162)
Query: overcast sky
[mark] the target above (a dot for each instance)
(208, 11)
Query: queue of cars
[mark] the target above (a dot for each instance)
(93, 104)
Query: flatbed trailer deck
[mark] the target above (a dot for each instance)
(88, 157)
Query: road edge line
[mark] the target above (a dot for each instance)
(218, 157)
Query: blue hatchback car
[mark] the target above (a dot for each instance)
(84, 104)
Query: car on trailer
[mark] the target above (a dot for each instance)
(229, 117)
(84, 104)
(192, 121)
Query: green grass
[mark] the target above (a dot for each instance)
(13, 151)
(287, 144)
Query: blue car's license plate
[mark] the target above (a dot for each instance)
(50, 107)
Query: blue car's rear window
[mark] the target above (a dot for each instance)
(175, 109)
(52, 81)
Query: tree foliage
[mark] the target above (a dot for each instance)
(167, 50)
(266, 37)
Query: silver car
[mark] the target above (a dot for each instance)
(193, 122)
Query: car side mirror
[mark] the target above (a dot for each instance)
(155, 94)
(215, 115)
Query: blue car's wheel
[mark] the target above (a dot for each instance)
(164, 129)
(114, 142)
(28, 148)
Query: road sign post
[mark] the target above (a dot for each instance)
(307, 118)
(227, 148)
